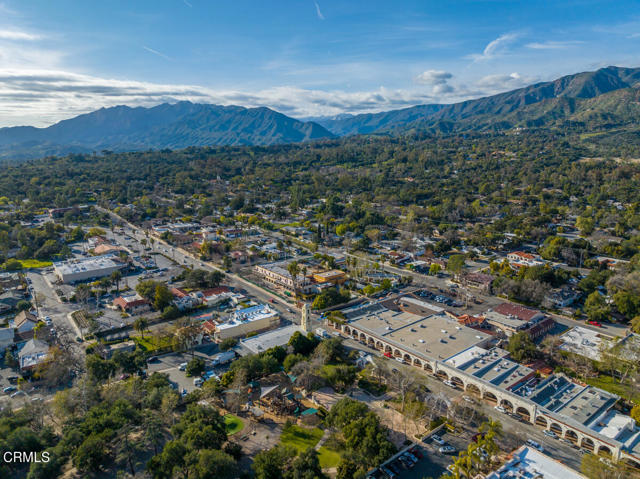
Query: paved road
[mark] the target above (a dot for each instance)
(185, 258)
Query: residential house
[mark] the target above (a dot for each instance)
(25, 321)
(561, 297)
(9, 300)
(133, 304)
(520, 258)
(479, 281)
(33, 353)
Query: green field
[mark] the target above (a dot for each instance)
(34, 263)
(233, 424)
(151, 343)
(302, 439)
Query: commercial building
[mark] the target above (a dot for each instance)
(528, 462)
(510, 318)
(462, 356)
(278, 337)
(85, 269)
(247, 320)
(334, 276)
(277, 274)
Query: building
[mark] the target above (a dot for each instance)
(528, 462)
(247, 320)
(24, 321)
(479, 281)
(277, 274)
(133, 304)
(509, 318)
(561, 297)
(33, 353)
(585, 342)
(9, 300)
(278, 337)
(520, 258)
(334, 276)
(85, 269)
(583, 415)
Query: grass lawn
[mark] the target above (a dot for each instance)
(300, 437)
(233, 424)
(34, 263)
(328, 457)
(151, 343)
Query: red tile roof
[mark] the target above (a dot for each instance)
(520, 312)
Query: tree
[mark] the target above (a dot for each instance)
(162, 297)
(195, 367)
(585, 225)
(140, 324)
(596, 308)
(95, 232)
(521, 347)
(269, 464)
(635, 325)
(99, 369)
(228, 343)
(116, 276)
(305, 466)
(345, 411)
(635, 413)
(294, 270)
(91, 454)
(215, 464)
(456, 263)
(434, 269)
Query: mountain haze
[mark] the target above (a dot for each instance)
(179, 125)
(599, 101)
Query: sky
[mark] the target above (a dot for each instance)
(304, 58)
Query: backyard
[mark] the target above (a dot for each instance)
(233, 424)
(302, 439)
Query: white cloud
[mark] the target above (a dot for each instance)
(434, 77)
(495, 47)
(499, 82)
(18, 35)
(552, 45)
(156, 52)
(318, 11)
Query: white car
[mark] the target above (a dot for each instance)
(467, 398)
(450, 384)
(438, 440)
(535, 445)
(550, 434)
(500, 409)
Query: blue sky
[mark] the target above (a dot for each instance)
(303, 58)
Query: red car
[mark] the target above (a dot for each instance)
(387, 355)
(594, 323)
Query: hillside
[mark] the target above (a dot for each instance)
(179, 125)
(544, 104)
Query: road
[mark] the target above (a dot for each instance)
(183, 257)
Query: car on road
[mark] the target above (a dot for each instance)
(17, 393)
(446, 449)
(152, 359)
(182, 367)
(594, 323)
(400, 360)
(500, 409)
(438, 440)
(468, 399)
(197, 382)
(9, 389)
(450, 384)
(550, 434)
(535, 445)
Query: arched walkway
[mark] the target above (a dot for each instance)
(428, 368)
(523, 413)
(571, 436)
(604, 451)
(457, 381)
(407, 359)
(630, 463)
(416, 362)
(473, 389)
(490, 397)
(541, 421)
(505, 403)
(557, 428)
(587, 444)
(442, 375)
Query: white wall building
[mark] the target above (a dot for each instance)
(84, 269)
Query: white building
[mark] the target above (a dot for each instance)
(34, 352)
(528, 462)
(84, 269)
(247, 320)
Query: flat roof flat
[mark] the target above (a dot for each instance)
(529, 463)
(435, 337)
(491, 366)
(583, 341)
(270, 339)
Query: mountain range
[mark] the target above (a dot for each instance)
(608, 98)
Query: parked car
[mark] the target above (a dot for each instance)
(594, 323)
(500, 409)
(182, 367)
(9, 389)
(450, 384)
(438, 440)
(550, 434)
(535, 445)
(446, 449)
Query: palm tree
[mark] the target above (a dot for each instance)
(140, 325)
(116, 276)
(294, 271)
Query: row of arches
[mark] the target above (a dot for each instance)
(583, 442)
